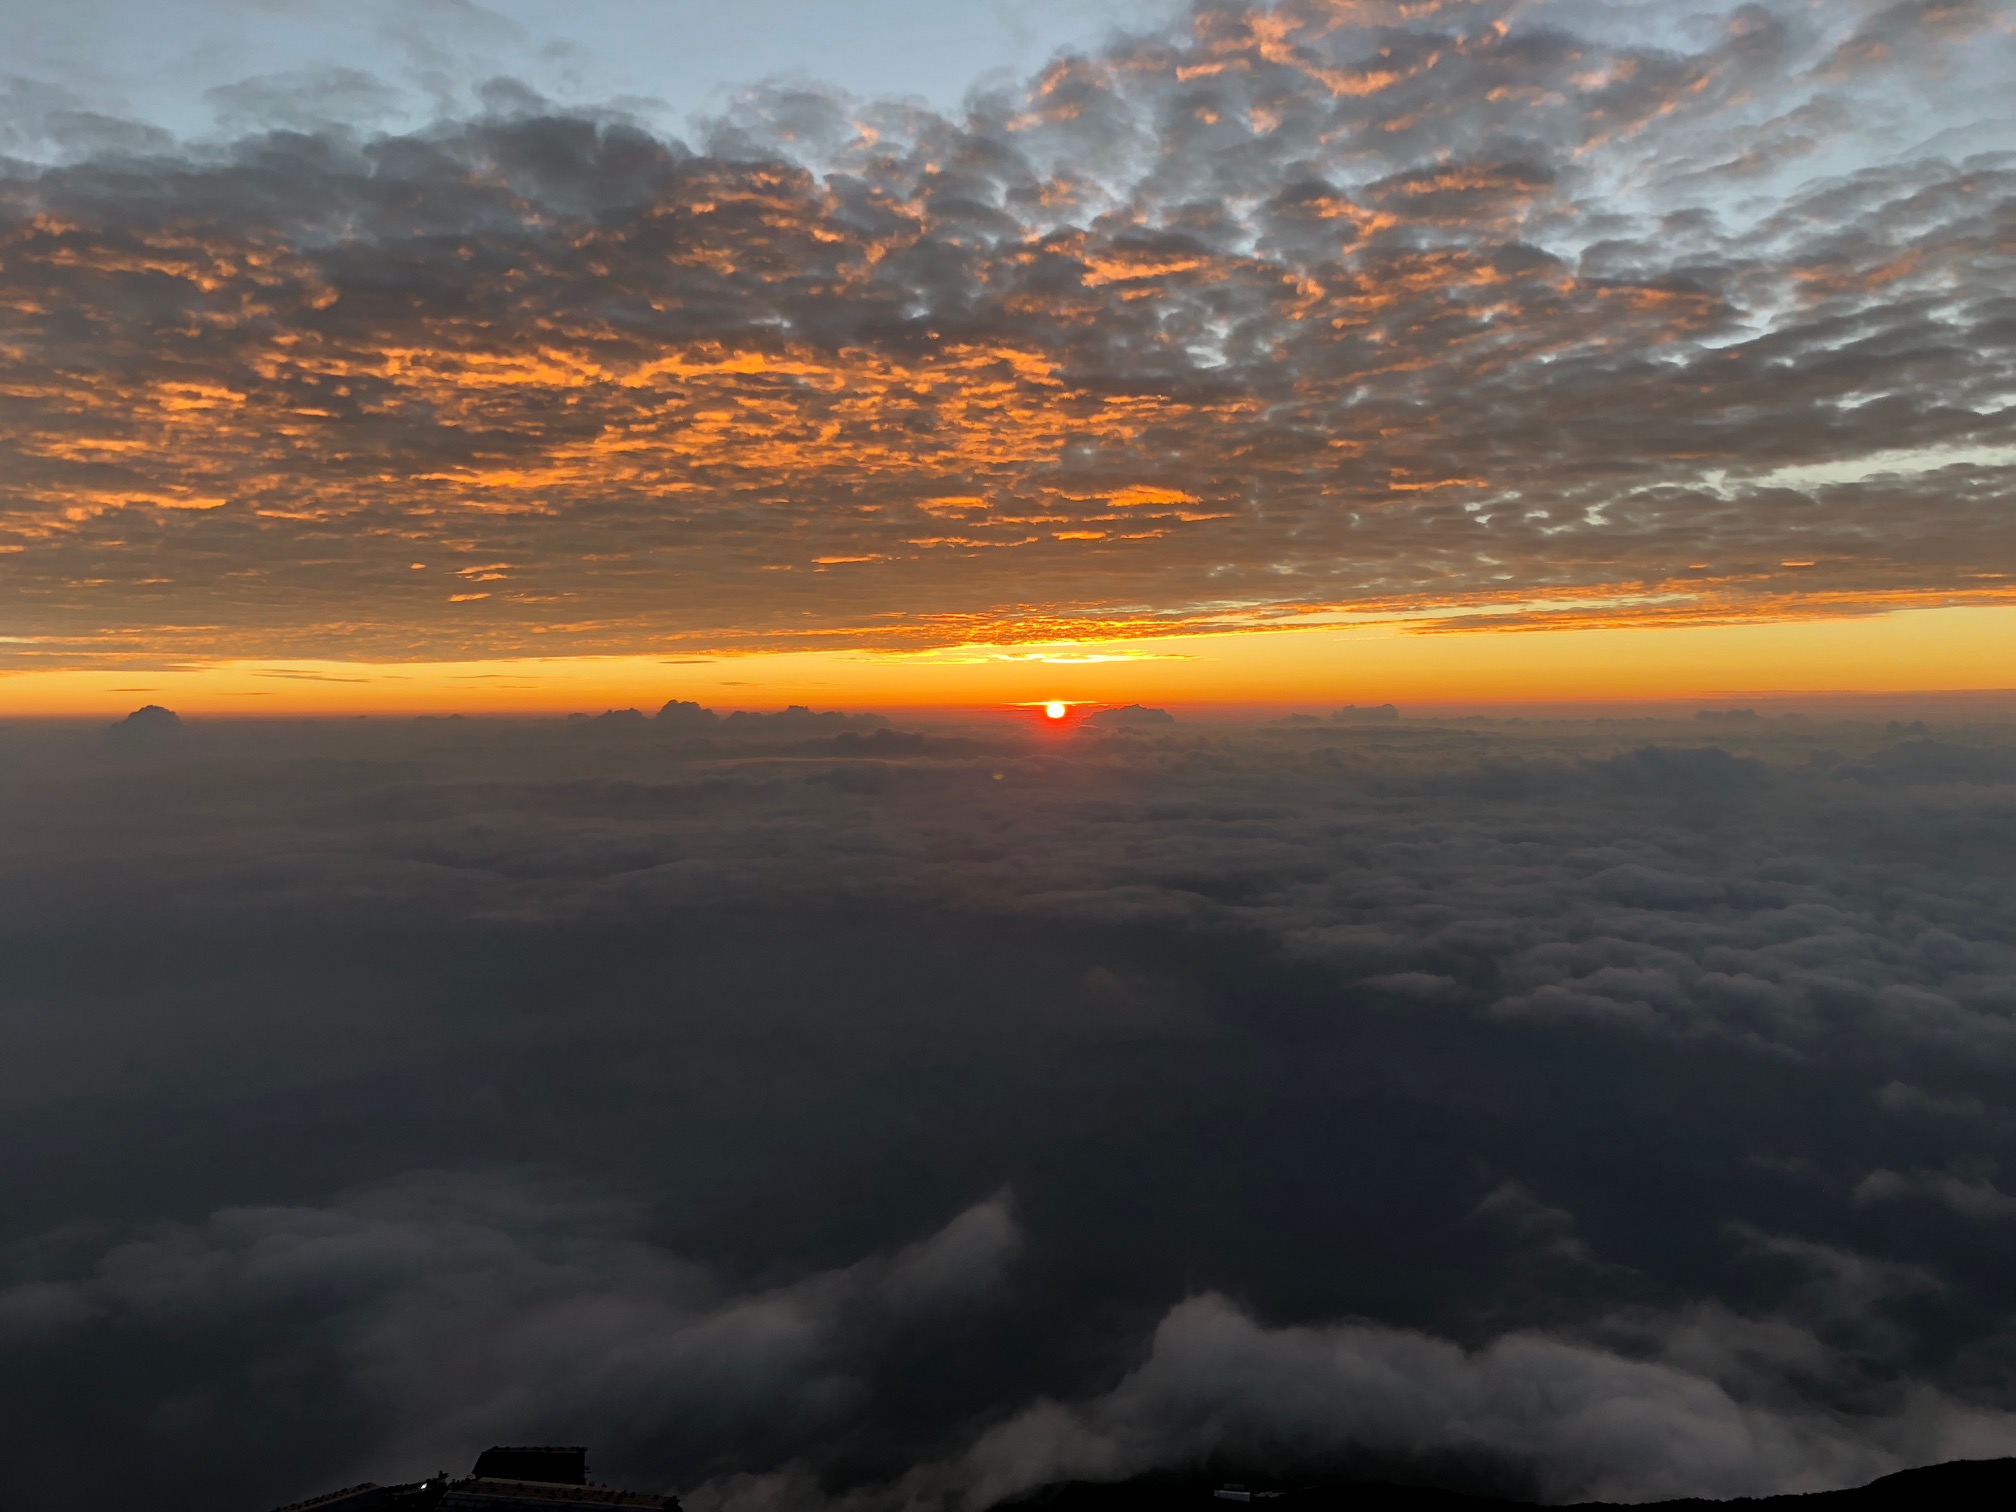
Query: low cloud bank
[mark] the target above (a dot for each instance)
(1533, 1414)
(1609, 1109)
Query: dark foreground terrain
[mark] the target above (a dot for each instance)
(1964, 1484)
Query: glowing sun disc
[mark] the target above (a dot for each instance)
(1053, 711)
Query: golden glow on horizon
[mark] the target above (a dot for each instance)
(1921, 651)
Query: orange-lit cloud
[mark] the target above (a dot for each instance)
(1299, 310)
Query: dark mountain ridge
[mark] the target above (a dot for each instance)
(1961, 1485)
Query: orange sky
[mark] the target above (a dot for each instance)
(1906, 652)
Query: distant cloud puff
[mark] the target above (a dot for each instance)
(1132, 716)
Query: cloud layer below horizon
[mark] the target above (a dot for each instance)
(816, 1120)
(1567, 312)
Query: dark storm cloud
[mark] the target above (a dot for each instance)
(1588, 1110)
(1386, 306)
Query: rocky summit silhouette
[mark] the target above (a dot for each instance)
(506, 1478)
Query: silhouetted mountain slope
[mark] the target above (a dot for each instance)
(1957, 1487)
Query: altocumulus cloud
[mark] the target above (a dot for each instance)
(1591, 312)
(1583, 1110)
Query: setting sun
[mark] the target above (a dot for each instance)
(1053, 710)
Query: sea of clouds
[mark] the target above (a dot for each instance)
(1610, 1109)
